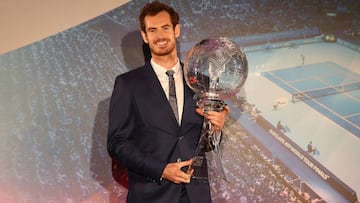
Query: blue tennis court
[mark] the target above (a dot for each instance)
(331, 89)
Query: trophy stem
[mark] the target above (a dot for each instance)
(209, 139)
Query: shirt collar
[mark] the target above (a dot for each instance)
(161, 71)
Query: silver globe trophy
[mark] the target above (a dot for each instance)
(215, 69)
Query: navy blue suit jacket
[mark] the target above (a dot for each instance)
(144, 136)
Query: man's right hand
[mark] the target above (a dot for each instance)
(173, 172)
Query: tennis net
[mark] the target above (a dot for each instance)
(320, 92)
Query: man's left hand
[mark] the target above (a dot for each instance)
(217, 119)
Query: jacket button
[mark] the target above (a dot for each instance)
(181, 137)
(178, 160)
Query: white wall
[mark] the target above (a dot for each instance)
(24, 22)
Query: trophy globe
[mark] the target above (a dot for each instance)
(215, 69)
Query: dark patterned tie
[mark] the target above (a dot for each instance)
(172, 93)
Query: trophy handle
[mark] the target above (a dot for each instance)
(215, 139)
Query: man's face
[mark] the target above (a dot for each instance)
(160, 34)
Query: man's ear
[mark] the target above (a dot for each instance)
(143, 35)
(177, 30)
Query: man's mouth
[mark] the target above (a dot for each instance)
(161, 42)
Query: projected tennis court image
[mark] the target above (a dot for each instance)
(327, 87)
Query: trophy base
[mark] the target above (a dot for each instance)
(200, 168)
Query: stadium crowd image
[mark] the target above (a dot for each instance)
(293, 133)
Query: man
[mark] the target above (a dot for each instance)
(310, 148)
(144, 133)
(280, 126)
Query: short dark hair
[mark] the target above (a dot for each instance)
(153, 8)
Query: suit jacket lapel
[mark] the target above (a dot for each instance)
(153, 82)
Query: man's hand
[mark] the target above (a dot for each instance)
(173, 172)
(217, 119)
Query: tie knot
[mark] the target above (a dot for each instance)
(170, 73)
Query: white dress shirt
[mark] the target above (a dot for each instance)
(179, 83)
